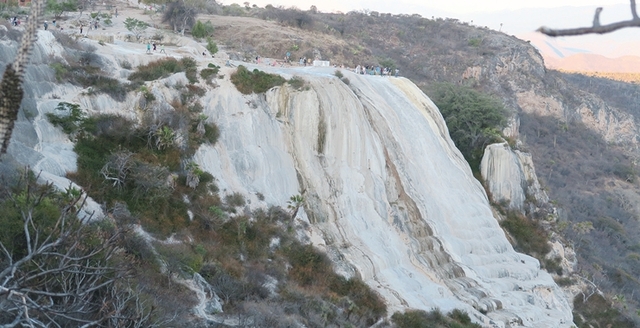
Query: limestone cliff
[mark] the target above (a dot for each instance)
(510, 176)
(389, 197)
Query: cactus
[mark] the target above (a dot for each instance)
(11, 91)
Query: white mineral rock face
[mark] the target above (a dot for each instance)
(502, 171)
(510, 176)
(387, 189)
(389, 196)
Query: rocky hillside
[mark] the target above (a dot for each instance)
(364, 163)
(582, 132)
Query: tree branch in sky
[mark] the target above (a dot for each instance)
(596, 28)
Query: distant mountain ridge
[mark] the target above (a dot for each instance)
(595, 63)
(586, 56)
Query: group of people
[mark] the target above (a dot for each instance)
(304, 61)
(149, 45)
(376, 70)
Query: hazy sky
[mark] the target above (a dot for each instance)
(426, 7)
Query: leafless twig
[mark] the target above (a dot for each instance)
(58, 271)
(596, 27)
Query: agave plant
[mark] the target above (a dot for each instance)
(165, 136)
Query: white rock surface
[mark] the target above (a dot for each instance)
(502, 172)
(386, 188)
(510, 176)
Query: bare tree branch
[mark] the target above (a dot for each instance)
(596, 27)
(61, 274)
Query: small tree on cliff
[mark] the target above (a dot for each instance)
(135, 26)
(182, 14)
(474, 119)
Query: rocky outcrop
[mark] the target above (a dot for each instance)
(510, 176)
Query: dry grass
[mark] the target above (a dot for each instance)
(250, 37)
(616, 76)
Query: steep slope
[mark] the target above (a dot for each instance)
(391, 197)
(388, 195)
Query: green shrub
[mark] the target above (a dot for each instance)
(389, 63)
(236, 199)
(196, 90)
(45, 213)
(367, 302)
(163, 68)
(180, 257)
(125, 64)
(107, 85)
(529, 236)
(552, 265)
(201, 30)
(146, 190)
(190, 69)
(297, 83)
(60, 70)
(208, 73)
(473, 118)
(596, 311)
(254, 82)
(338, 74)
(148, 95)
(70, 118)
(212, 46)
(474, 42)
(217, 212)
(432, 319)
(90, 76)
(308, 265)
(212, 133)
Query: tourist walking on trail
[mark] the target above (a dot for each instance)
(45, 25)
(81, 29)
(162, 49)
(148, 47)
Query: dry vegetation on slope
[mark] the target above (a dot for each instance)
(621, 77)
